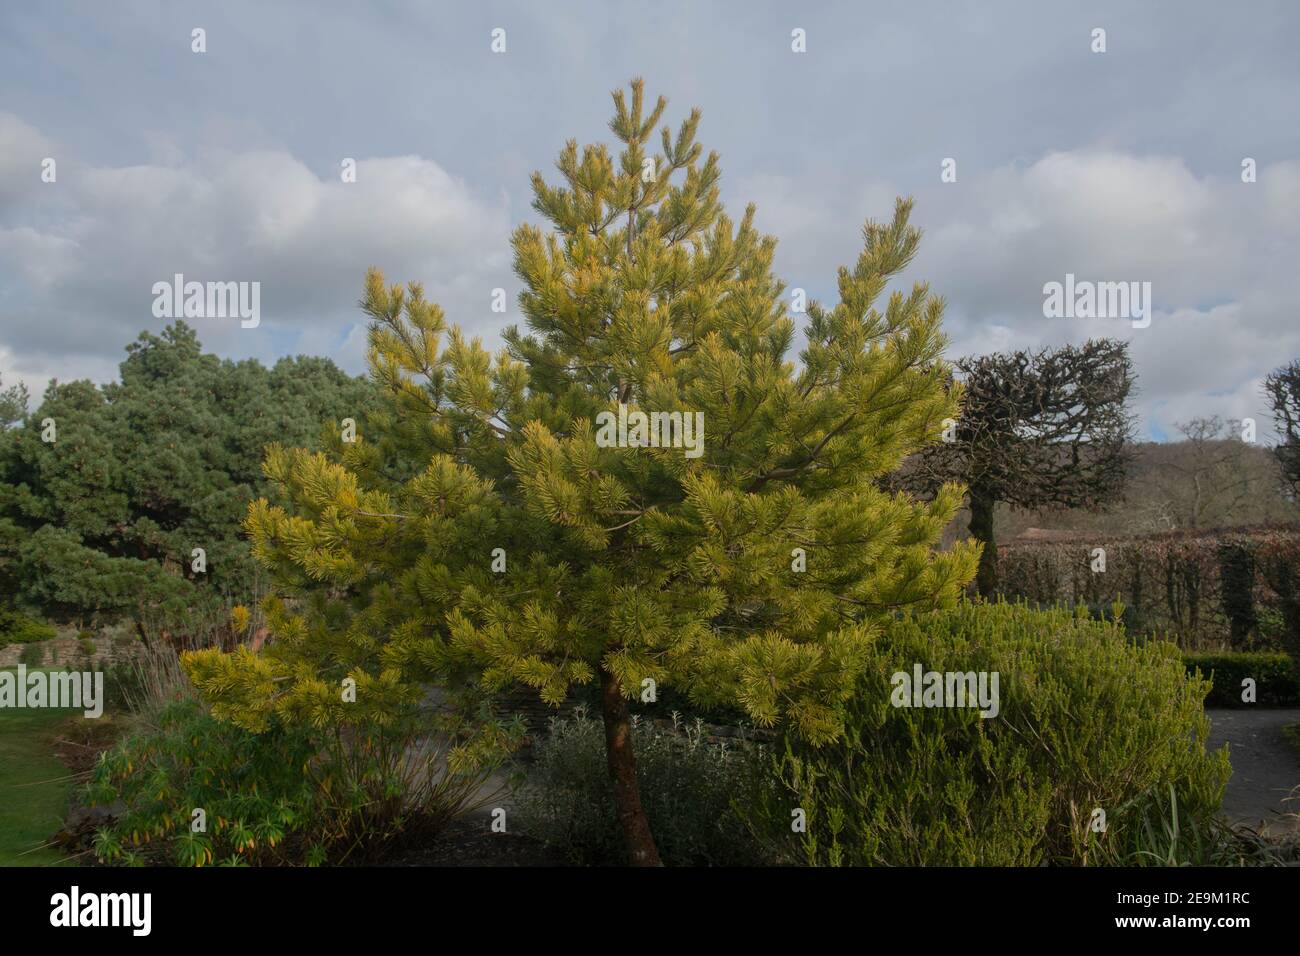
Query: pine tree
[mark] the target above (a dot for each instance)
(103, 521)
(478, 535)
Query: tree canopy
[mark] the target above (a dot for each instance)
(479, 534)
(1045, 428)
(142, 471)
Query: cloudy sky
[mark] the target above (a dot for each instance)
(225, 165)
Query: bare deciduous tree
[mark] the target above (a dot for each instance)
(1211, 482)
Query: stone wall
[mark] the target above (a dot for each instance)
(113, 644)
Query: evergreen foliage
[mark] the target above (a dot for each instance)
(1087, 722)
(624, 565)
(102, 521)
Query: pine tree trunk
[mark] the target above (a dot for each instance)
(641, 849)
(981, 529)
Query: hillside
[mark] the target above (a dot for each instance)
(1201, 482)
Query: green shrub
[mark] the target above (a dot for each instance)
(284, 796)
(688, 788)
(32, 655)
(165, 456)
(1273, 673)
(252, 789)
(1087, 721)
(1272, 626)
(1280, 567)
(18, 628)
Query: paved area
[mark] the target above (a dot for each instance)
(1265, 771)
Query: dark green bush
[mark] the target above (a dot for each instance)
(1087, 721)
(1272, 626)
(1273, 673)
(19, 628)
(32, 655)
(688, 788)
(1237, 575)
(166, 456)
(1280, 570)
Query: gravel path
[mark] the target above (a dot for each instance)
(1265, 770)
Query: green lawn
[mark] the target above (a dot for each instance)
(33, 795)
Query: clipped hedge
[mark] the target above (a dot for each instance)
(1209, 591)
(1273, 672)
(1087, 720)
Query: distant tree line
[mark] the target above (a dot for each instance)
(102, 522)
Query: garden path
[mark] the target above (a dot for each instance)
(1265, 770)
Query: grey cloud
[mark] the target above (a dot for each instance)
(255, 216)
(1121, 165)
